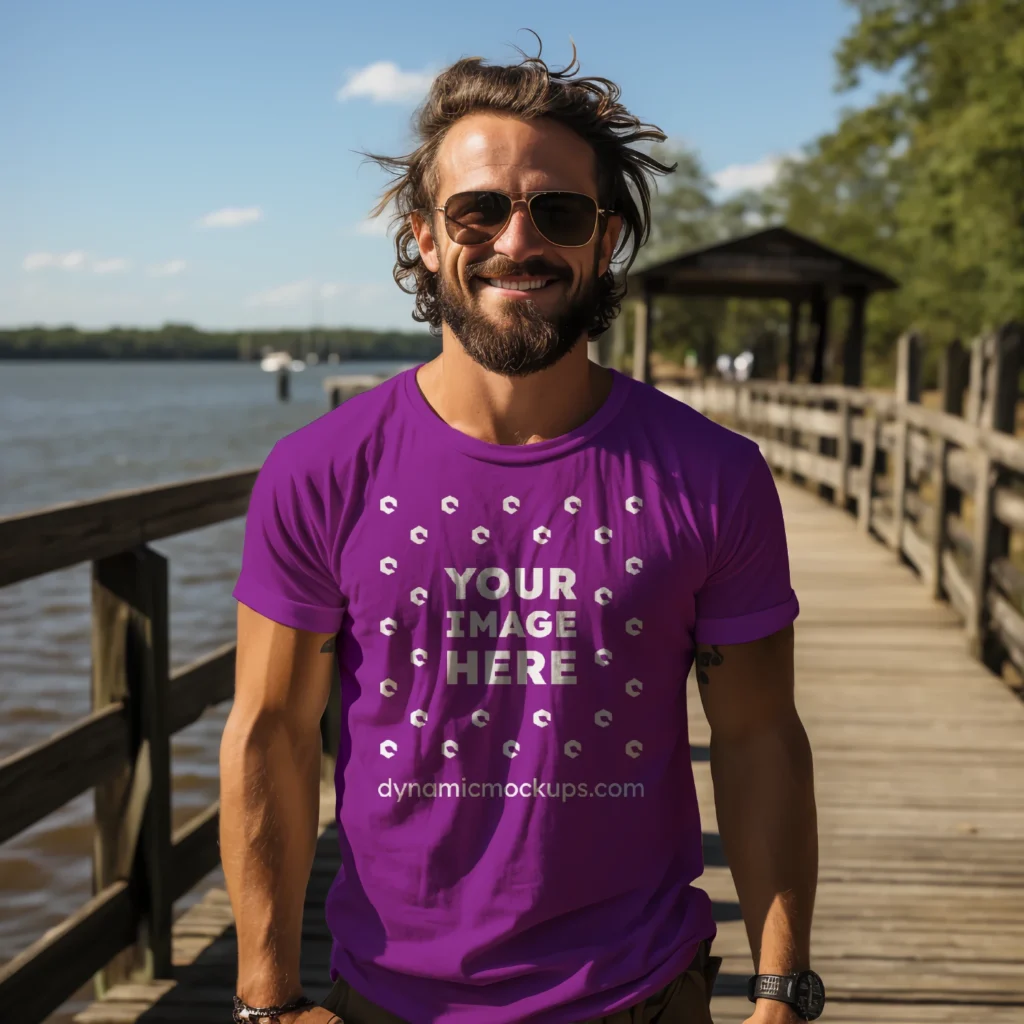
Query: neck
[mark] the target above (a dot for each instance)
(513, 410)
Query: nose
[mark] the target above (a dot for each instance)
(520, 239)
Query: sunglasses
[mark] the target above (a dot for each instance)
(565, 219)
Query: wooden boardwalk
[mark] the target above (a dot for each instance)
(919, 761)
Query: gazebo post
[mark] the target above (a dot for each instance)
(642, 336)
(707, 353)
(793, 355)
(819, 317)
(853, 349)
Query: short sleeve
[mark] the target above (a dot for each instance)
(747, 594)
(285, 574)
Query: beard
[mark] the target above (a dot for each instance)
(524, 340)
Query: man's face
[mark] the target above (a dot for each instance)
(515, 330)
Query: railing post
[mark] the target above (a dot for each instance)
(843, 452)
(790, 436)
(976, 380)
(992, 538)
(953, 378)
(908, 390)
(869, 454)
(818, 446)
(110, 686)
(133, 812)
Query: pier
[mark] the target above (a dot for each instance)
(909, 659)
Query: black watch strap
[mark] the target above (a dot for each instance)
(773, 986)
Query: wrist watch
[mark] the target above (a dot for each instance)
(803, 991)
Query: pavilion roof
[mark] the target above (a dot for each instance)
(776, 262)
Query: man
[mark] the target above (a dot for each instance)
(519, 554)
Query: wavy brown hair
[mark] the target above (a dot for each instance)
(528, 90)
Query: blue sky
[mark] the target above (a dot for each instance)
(196, 161)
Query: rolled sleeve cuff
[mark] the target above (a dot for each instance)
(310, 617)
(745, 629)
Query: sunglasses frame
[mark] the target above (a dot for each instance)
(526, 198)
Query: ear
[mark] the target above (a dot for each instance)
(422, 228)
(609, 239)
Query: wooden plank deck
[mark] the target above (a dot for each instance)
(919, 762)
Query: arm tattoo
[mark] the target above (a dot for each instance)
(330, 645)
(707, 658)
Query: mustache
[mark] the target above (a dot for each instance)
(498, 267)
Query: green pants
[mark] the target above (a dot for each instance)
(686, 999)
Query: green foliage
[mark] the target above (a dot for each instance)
(928, 181)
(183, 341)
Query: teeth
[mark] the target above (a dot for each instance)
(521, 286)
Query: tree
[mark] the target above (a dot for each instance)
(927, 182)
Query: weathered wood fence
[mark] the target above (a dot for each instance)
(943, 488)
(122, 749)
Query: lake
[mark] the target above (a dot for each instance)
(75, 430)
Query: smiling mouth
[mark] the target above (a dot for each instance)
(513, 284)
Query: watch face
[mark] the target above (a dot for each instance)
(810, 994)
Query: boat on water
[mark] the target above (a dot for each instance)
(274, 361)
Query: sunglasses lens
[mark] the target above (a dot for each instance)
(565, 218)
(476, 217)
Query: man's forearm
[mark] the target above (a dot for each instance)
(764, 795)
(268, 825)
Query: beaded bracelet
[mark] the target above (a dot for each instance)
(243, 1012)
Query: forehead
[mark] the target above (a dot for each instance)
(491, 151)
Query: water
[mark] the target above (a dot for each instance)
(70, 431)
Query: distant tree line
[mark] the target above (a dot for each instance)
(183, 341)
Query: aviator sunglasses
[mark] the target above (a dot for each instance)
(565, 219)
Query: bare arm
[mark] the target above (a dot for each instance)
(269, 804)
(764, 795)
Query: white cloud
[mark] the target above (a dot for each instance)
(385, 82)
(373, 227)
(299, 293)
(62, 260)
(283, 295)
(231, 217)
(352, 292)
(168, 269)
(760, 174)
(114, 266)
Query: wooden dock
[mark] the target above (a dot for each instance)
(919, 757)
(906, 530)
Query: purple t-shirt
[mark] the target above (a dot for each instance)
(517, 815)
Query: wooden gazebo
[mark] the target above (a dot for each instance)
(775, 263)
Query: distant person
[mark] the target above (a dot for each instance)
(508, 560)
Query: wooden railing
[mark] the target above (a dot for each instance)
(122, 748)
(944, 488)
